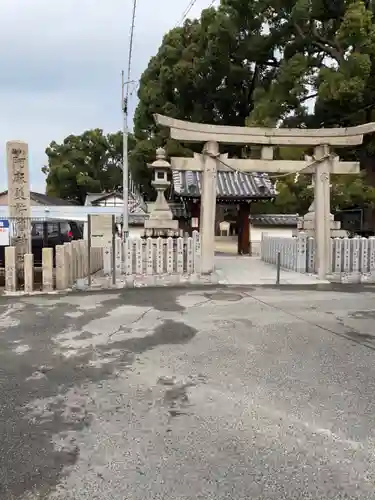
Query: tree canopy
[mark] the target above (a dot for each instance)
(276, 62)
(88, 163)
(328, 54)
(296, 193)
(263, 63)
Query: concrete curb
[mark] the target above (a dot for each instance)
(319, 286)
(104, 283)
(144, 281)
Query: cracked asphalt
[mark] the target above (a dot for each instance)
(211, 393)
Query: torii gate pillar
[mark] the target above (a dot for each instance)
(208, 207)
(322, 203)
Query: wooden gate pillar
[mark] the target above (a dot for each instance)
(243, 242)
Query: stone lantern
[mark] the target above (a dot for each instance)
(308, 221)
(161, 223)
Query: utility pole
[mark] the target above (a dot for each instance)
(125, 163)
(124, 104)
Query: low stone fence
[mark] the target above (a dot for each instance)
(293, 251)
(351, 259)
(137, 260)
(71, 264)
(158, 256)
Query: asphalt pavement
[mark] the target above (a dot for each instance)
(192, 393)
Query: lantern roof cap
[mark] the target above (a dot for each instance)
(161, 160)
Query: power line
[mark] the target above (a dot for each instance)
(188, 9)
(186, 12)
(131, 38)
(125, 166)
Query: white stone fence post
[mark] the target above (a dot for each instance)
(163, 256)
(352, 260)
(293, 251)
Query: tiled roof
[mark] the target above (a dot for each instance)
(92, 197)
(274, 220)
(135, 201)
(230, 185)
(44, 199)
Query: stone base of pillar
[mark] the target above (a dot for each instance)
(306, 224)
(161, 228)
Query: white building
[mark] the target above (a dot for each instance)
(137, 208)
(280, 225)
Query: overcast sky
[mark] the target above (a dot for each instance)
(61, 62)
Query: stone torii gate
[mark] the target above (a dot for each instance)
(321, 165)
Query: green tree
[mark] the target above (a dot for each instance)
(205, 71)
(295, 193)
(351, 191)
(329, 51)
(329, 54)
(294, 196)
(90, 162)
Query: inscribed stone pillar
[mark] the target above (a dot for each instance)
(69, 263)
(60, 268)
(75, 259)
(29, 273)
(19, 199)
(78, 246)
(10, 269)
(208, 203)
(322, 211)
(47, 269)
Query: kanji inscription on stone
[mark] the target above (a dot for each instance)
(19, 198)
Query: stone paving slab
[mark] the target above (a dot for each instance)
(229, 270)
(242, 270)
(101, 282)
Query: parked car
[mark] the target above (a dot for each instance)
(49, 234)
